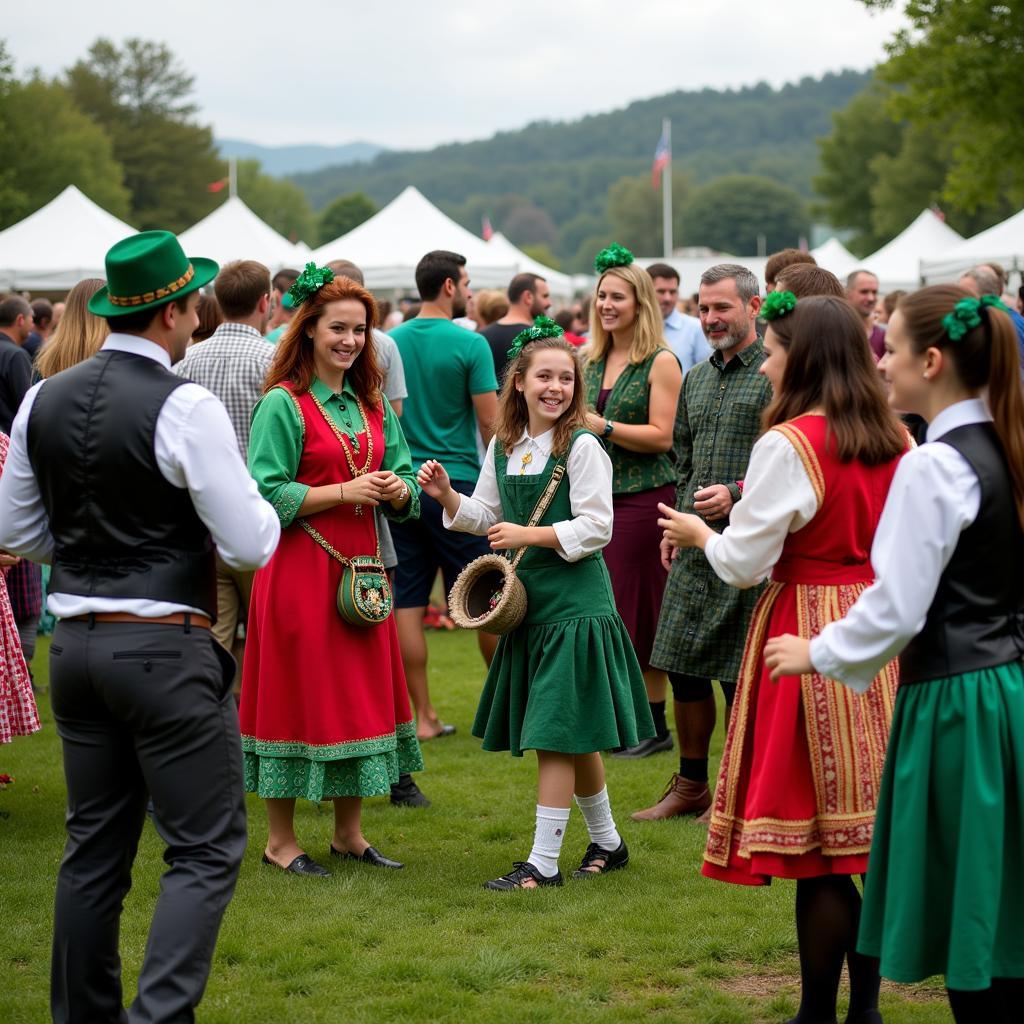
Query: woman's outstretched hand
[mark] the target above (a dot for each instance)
(433, 478)
(788, 655)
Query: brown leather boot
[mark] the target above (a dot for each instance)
(683, 796)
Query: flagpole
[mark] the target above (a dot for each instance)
(666, 190)
(232, 177)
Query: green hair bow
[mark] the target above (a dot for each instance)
(308, 283)
(543, 327)
(777, 304)
(614, 256)
(966, 315)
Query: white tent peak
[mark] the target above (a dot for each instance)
(233, 232)
(1003, 243)
(60, 244)
(836, 258)
(898, 263)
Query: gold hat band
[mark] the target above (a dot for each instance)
(160, 293)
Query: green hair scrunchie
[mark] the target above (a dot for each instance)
(966, 315)
(614, 256)
(777, 304)
(308, 283)
(543, 327)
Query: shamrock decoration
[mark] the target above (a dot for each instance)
(543, 327)
(308, 283)
(614, 256)
(777, 304)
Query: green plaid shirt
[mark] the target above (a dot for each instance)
(703, 623)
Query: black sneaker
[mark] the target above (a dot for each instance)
(521, 871)
(405, 793)
(654, 745)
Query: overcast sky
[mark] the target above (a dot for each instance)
(408, 74)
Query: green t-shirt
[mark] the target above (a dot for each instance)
(445, 366)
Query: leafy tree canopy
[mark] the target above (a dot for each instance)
(342, 215)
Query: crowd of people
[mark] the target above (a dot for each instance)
(808, 495)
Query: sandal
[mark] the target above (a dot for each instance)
(612, 860)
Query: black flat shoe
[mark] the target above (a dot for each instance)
(613, 860)
(521, 871)
(654, 745)
(368, 856)
(405, 793)
(302, 865)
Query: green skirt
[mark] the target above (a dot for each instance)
(945, 886)
(312, 779)
(572, 687)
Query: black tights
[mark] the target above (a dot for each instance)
(1000, 1004)
(827, 918)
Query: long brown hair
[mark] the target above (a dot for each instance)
(293, 360)
(513, 415)
(79, 334)
(830, 366)
(987, 356)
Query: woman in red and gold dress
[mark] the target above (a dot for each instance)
(324, 709)
(803, 757)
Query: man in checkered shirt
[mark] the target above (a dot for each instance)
(233, 363)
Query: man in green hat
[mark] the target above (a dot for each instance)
(129, 480)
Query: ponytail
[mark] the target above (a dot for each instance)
(1006, 400)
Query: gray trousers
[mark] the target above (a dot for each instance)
(143, 710)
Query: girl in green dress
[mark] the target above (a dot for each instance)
(566, 682)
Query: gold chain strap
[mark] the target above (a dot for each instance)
(349, 458)
(327, 545)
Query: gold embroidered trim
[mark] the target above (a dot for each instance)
(160, 293)
(808, 456)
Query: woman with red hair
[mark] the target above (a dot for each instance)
(324, 710)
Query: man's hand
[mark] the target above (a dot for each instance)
(7, 560)
(714, 502)
(668, 553)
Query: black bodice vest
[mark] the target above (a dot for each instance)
(120, 529)
(974, 621)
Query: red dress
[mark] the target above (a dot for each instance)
(803, 757)
(324, 709)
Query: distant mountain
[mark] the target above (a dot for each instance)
(280, 160)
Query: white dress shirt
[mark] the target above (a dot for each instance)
(590, 481)
(685, 336)
(934, 497)
(778, 499)
(195, 449)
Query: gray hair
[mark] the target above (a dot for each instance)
(986, 279)
(747, 286)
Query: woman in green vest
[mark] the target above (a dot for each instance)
(632, 382)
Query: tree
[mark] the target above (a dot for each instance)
(635, 212)
(139, 95)
(734, 212)
(51, 144)
(528, 224)
(542, 254)
(344, 214)
(959, 63)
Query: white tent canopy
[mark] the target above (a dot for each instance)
(1003, 243)
(898, 263)
(388, 246)
(234, 232)
(60, 244)
(835, 257)
(559, 283)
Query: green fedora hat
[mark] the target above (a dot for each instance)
(148, 270)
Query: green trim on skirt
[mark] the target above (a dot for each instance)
(945, 885)
(282, 777)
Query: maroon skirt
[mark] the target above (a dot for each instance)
(634, 564)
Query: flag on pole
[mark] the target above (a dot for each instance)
(938, 213)
(662, 158)
(485, 228)
(216, 186)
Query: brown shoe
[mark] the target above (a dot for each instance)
(683, 796)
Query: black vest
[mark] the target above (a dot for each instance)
(974, 621)
(120, 529)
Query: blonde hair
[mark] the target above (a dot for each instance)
(649, 333)
(79, 334)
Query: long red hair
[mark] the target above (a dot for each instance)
(293, 361)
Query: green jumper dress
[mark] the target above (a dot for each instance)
(566, 680)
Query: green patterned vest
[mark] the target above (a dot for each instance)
(629, 402)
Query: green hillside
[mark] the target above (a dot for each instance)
(547, 183)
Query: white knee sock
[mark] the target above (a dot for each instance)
(547, 838)
(597, 813)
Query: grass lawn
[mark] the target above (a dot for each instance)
(656, 942)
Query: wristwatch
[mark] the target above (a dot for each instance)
(608, 428)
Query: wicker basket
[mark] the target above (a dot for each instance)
(488, 595)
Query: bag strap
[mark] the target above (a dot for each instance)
(542, 506)
(326, 544)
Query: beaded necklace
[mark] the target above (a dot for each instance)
(350, 444)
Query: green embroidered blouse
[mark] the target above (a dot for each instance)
(629, 402)
(275, 446)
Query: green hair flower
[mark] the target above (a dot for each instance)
(543, 327)
(614, 256)
(966, 315)
(777, 304)
(308, 283)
